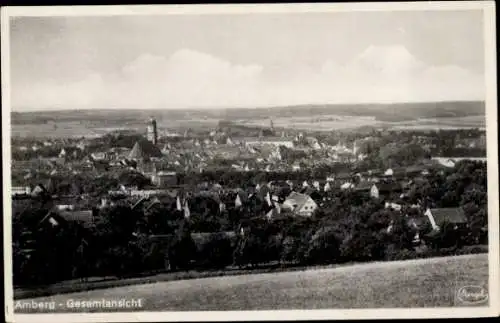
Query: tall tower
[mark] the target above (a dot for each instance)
(271, 125)
(152, 131)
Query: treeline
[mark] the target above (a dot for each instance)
(348, 226)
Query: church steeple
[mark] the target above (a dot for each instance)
(152, 131)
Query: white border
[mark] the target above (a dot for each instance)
(210, 9)
(488, 8)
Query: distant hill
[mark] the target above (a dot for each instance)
(382, 112)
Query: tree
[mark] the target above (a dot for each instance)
(183, 249)
(289, 250)
(324, 247)
(216, 253)
(395, 154)
(114, 234)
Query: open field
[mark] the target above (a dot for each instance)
(414, 283)
(324, 123)
(69, 123)
(336, 122)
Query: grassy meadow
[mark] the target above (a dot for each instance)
(412, 283)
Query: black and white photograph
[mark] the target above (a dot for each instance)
(244, 162)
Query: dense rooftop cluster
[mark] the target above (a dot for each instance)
(225, 199)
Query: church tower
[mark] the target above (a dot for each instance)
(271, 125)
(152, 131)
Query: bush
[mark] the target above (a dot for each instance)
(289, 249)
(468, 250)
(216, 253)
(402, 254)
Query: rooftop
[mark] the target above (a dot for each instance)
(452, 215)
(144, 149)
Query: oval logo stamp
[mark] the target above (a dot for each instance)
(472, 294)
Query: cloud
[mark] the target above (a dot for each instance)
(189, 78)
(195, 79)
(392, 73)
(388, 61)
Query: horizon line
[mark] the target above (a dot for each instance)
(212, 108)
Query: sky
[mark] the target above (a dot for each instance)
(245, 60)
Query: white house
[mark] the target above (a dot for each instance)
(65, 207)
(147, 193)
(394, 206)
(20, 190)
(99, 155)
(300, 204)
(346, 186)
(272, 141)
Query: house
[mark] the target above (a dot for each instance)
(343, 177)
(62, 153)
(313, 193)
(99, 156)
(393, 206)
(52, 162)
(438, 217)
(446, 162)
(39, 190)
(344, 157)
(347, 186)
(84, 217)
(300, 204)
(365, 186)
(65, 207)
(20, 190)
(56, 218)
(149, 193)
(416, 170)
(385, 189)
(272, 141)
(274, 211)
(100, 165)
(164, 178)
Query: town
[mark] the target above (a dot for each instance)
(129, 203)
